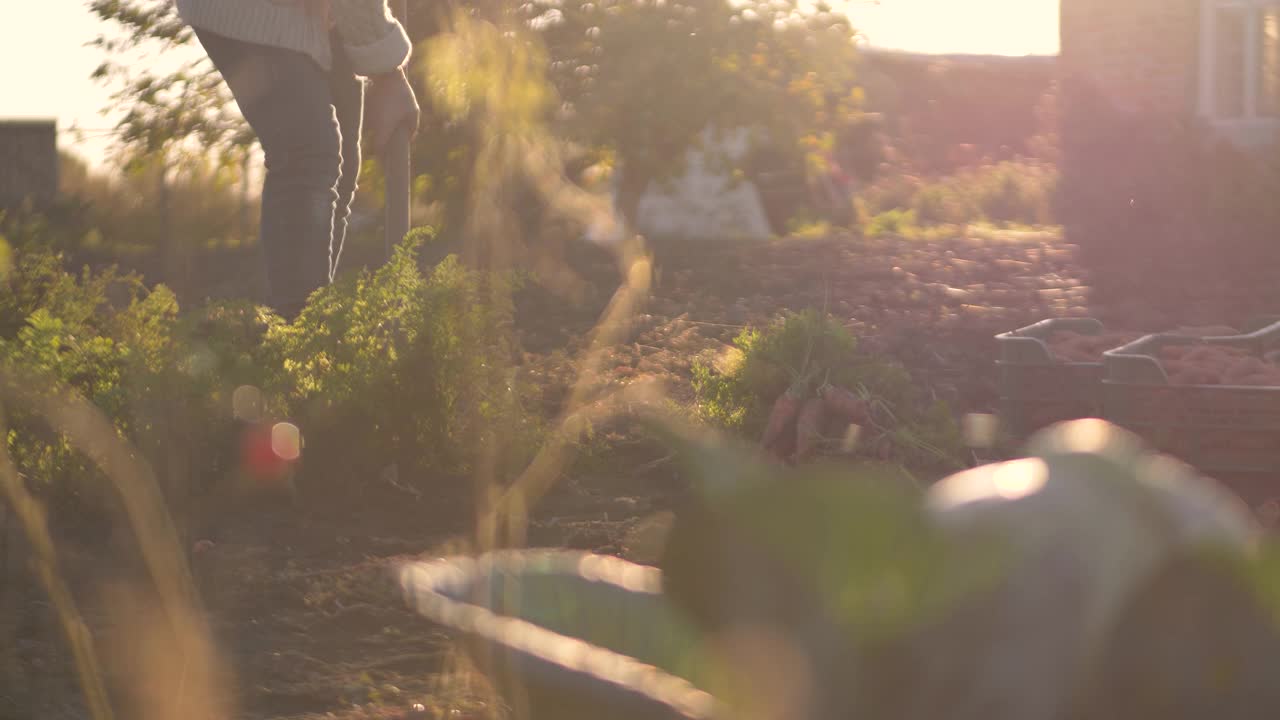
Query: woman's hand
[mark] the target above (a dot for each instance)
(389, 105)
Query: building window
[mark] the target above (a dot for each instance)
(1240, 60)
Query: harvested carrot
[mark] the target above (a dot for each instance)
(1264, 379)
(1069, 346)
(1063, 337)
(809, 427)
(884, 449)
(1209, 364)
(783, 449)
(1196, 376)
(783, 415)
(843, 403)
(1243, 368)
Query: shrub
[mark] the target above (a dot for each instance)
(103, 335)
(804, 226)
(1011, 192)
(937, 204)
(891, 191)
(390, 366)
(383, 367)
(892, 222)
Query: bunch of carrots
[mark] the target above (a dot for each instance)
(795, 426)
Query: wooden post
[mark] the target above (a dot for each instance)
(395, 168)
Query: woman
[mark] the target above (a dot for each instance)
(295, 69)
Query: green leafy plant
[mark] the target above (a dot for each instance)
(103, 335)
(1011, 193)
(385, 368)
(936, 204)
(892, 222)
(391, 366)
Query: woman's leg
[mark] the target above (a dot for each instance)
(287, 100)
(348, 102)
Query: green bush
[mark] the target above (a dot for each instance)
(383, 367)
(891, 191)
(102, 335)
(1018, 192)
(391, 366)
(905, 424)
(938, 204)
(892, 222)
(1012, 192)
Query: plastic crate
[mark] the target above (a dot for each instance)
(1036, 388)
(1228, 431)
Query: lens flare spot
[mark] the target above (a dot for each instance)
(1016, 480)
(981, 430)
(852, 435)
(286, 441)
(1087, 436)
(246, 403)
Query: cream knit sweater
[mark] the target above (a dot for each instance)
(372, 38)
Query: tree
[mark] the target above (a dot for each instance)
(643, 79)
(638, 81)
(166, 109)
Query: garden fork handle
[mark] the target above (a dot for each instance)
(395, 169)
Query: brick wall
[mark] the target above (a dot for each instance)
(1163, 212)
(1141, 54)
(28, 161)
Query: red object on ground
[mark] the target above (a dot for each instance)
(782, 418)
(258, 456)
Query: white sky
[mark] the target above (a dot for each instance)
(45, 64)
(995, 27)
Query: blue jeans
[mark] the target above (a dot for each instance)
(308, 123)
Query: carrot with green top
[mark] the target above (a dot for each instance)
(783, 416)
(809, 427)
